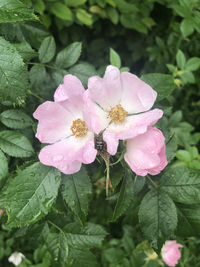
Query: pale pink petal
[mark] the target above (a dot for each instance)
(54, 122)
(146, 152)
(134, 125)
(71, 87)
(106, 91)
(68, 154)
(137, 96)
(95, 117)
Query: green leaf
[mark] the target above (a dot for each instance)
(90, 236)
(15, 10)
(84, 16)
(180, 59)
(183, 155)
(47, 49)
(61, 11)
(126, 195)
(69, 55)
(131, 21)
(175, 119)
(191, 215)
(182, 184)
(115, 58)
(163, 84)
(15, 119)
(187, 27)
(75, 3)
(83, 71)
(113, 14)
(157, 214)
(125, 7)
(31, 194)
(37, 75)
(193, 64)
(25, 50)
(3, 166)
(58, 248)
(83, 258)
(188, 77)
(76, 191)
(15, 144)
(13, 73)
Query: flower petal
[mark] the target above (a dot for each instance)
(54, 122)
(137, 96)
(134, 125)
(71, 87)
(95, 117)
(106, 91)
(68, 154)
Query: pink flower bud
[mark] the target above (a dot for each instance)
(170, 252)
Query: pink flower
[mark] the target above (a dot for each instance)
(170, 252)
(61, 124)
(119, 104)
(146, 152)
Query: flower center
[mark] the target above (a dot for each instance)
(118, 114)
(79, 128)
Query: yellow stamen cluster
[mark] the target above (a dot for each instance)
(118, 114)
(79, 128)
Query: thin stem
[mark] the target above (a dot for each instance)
(153, 183)
(33, 94)
(57, 227)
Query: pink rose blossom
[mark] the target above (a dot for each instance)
(119, 104)
(146, 152)
(170, 253)
(61, 124)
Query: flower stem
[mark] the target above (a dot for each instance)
(153, 183)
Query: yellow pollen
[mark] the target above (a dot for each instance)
(118, 114)
(79, 128)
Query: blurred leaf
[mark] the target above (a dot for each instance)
(187, 27)
(115, 58)
(130, 21)
(15, 10)
(47, 49)
(69, 55)
(3, 166)
(193, 64)
(84, 17)
(182, 184)
(37, 75)
(15, 119)
(13, 73)
(83, 258)
(126, 195)
(125, 7)
(183, 155)
(180, 59)
(61, 11)
(112, 14)
(157, 214)
(31, 194)
(163, 84)
(15, 144)
(75, 3)
(76, 191)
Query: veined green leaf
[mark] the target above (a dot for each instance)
(157, 214)
(15, 144)
(47, 49)
(182, 184)
(15, 10)
(61, 11)
(115, 58)
(31, 194)
(3, 166)
(69, 55)
(13, 73)
(76, 192)
(180, 59)
(15, 119)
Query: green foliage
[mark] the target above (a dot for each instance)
(15, 144)
(15, 10)
(76, 192)
(15, 119)
(13, 73)
(3, 166)
(157, 215)
(31, 194)
(114, 58)
(47, 50)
